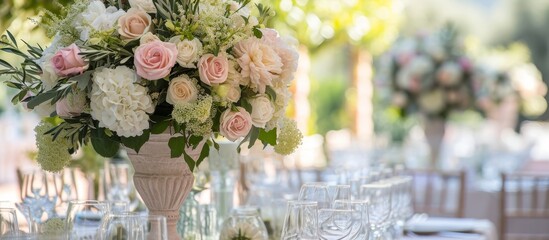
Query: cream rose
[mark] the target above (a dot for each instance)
(188, 51)
(181, 90)
(147, 38)
(134, 24)
(235, 125)
(234, 93)
(262, 110)
(145, 5)
(213, 69)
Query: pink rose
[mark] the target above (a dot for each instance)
(63, 109)
(155, 60)
(72, 105)
(213, 69)
(235, 124)
(67, 61)
(134, 24)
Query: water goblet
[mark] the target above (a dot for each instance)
(318, 192)
(335, 224)
(378, 196)
(360, 227)
(84, 218)
(133, 226)
(300, 222)
(39, 194)
(9, 227)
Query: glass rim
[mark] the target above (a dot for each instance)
(302, 203)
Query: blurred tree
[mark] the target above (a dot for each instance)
(12, 9)
(366, 26)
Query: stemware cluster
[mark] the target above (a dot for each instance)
(371, 206)
(88, 219)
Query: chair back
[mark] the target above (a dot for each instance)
(524, 195)
(439, 193)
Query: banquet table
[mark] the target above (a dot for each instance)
(450, 228)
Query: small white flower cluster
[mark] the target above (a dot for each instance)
(118, 103)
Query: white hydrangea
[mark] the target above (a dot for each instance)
(97, 17)
(118, 103)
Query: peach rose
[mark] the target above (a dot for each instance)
(68, 61)
(181, 90)
(212, 69)
(235, 124)
(155, 60)
(134, 24)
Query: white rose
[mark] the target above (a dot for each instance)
(49, 77)
(181, 90)
(147, 38)
(262, 110)
(188, 51)
(145, 5)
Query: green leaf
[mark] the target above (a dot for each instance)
(271, 93)
(195, 140)
(177, 146)
(82, 80)
(267, 138)
(104, 145)
(203, 154)
(160, 127)
(12, 39)
(136, 143)
(254, 134)
(257, 33)
(5, 64)
(40, 98)
(19, 97)
(190, 161)
(14, 51)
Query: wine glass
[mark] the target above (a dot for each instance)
(334, 224)
(66, 187)
(300, 222)
(25, 210)
(378, 196)
(84, 218)
(119, 183)
(39, 195)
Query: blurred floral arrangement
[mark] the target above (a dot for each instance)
(117, 72)
(507, 73)
(427, 74)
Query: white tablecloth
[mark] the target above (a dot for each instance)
(450, 228)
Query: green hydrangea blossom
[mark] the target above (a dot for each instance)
(289, 137)
(52, 155)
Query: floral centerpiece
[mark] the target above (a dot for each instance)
(118, 72)
(427, 74)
